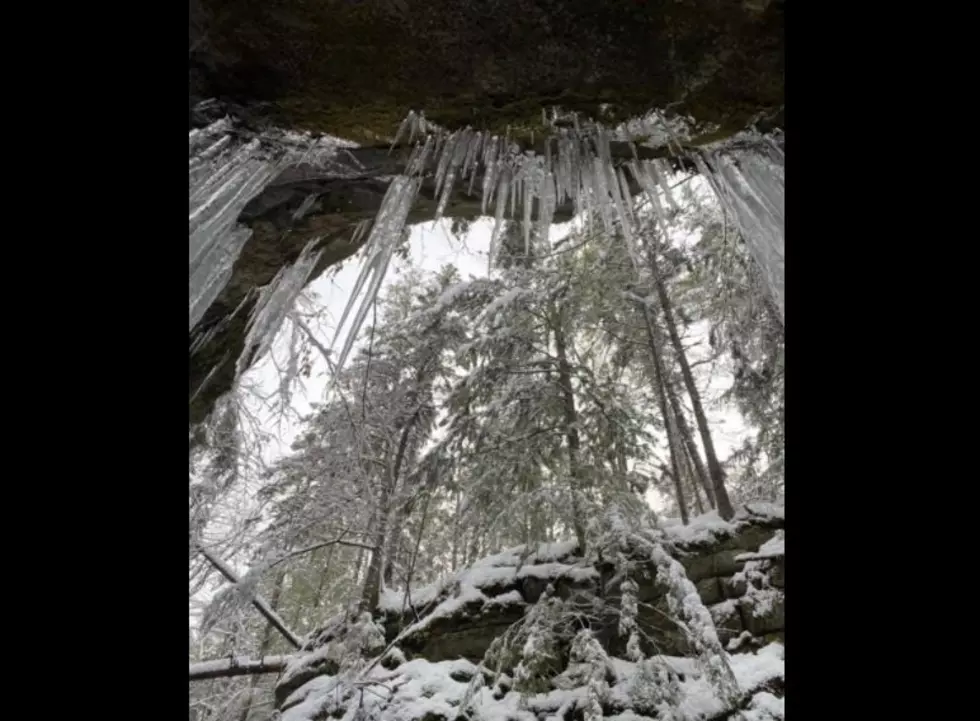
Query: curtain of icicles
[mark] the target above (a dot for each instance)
(226, 171)
(597, 169)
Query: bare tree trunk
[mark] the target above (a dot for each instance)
(318, 595)
(661, 393)
(266, 641)
(571, 428)
(372, 583)
(456, 533)
(393, 545)
(715, 470)
(692, 450)
(689, 474)
(371, 591)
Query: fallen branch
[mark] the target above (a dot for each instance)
(270, 615)
(237, 666)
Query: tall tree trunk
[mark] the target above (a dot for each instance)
(318, 594)
(371, 591)
(687, 438)
(372, 583)
(571, 427)
(715, 470)
(274, 600)
(659, 382)
(456, 532)
(401, 515)
(689, 474)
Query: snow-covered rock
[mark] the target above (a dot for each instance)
(446, 643)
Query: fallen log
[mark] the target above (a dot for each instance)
(237, 666)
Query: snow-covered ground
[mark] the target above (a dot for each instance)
(417, 688)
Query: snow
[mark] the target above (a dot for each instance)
(500, 303)
(758, 509)
(497, 571)
(313, 687)
(775, 547)
(702, 529)
(765, 706)
(751, 671)
(418, 687)
(507, 599)
(709, 527)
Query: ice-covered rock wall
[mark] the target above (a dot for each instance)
(303, 192)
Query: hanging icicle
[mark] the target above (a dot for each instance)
(578, 166)
(274, 303)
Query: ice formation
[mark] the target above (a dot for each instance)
(598, 170)
(226, 170)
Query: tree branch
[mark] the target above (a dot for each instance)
(270, 615)
(318, 546)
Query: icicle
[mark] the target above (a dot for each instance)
(472, 151)
(602, 192)
(224, 174)
(274, 303)
(459, 151)
(624, 189)
(359, 230)
(445, 160)
(386, 233)
(563, 173)
(515, 192)
(418, 160)
(546, 206)
(499, 215)
(641, 172)
(661, 174)
(213, 271)
(473, 162)
(762, 231)
(489, 175)
(407, 125)
(527, 200)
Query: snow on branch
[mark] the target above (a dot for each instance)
(267, 612)
(237, 666)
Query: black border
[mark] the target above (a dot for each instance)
(95, 306)
(95, 352)
(866, 438)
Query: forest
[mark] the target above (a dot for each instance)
(540, 403)
(486, 360)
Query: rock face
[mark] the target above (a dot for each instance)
(354, 68)
(736, 567)
(738, 593)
